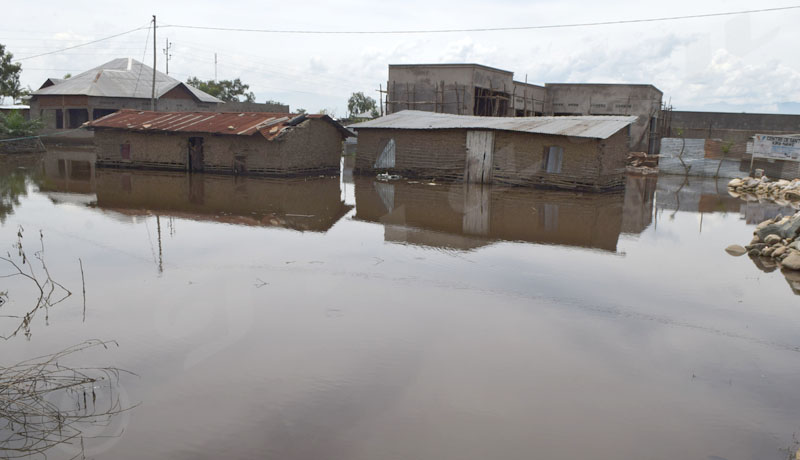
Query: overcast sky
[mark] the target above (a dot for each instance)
(734, 63)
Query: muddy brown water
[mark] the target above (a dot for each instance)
(359, 319)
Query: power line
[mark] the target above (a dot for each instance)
(82, 44)
(485, 29)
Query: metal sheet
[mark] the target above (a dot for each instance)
(123, 77)
(270, 125)
(595, 127)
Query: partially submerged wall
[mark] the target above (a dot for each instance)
(517, 159)
(312, 147)
(418, 153)
(703, 158)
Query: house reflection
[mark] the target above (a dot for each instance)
(468, 216)
(305, 205)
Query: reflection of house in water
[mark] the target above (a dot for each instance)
(313, 204)
(638, 206)
(463, 216)
(69, 176)
(708, 195)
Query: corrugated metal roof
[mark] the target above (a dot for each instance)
(123, 77)
(270, 125)
(595, 127)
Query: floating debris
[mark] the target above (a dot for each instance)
(387, 176)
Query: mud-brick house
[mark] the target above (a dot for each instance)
(277, 144)
(573, 152)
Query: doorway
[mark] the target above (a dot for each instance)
(195, 154)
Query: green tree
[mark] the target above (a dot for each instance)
(15, 125)
(9, 76)
(359, 103)
(301, 111)
(226, 90)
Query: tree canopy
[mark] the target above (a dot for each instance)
(359, 103)
(9, 76)
(226, 90)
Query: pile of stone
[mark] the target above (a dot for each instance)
(780, 191)
(777, 239)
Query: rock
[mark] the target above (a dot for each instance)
(794, 245)
(757, 246)
(735, 183)
(779, 251)
(792, 262)
(784, 229)
(772, 239)
(754, 252)
(755, 240)
(736, 250)
(767, 252)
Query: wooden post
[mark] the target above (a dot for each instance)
(380, 94)
(153, 92)
(408, 97)
(525, 101)
(458, 101)
(436, 99)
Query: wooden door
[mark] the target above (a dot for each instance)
(196, 159)
(480, 150)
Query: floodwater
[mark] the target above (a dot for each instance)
(353, 319)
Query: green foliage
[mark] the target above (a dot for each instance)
(15, 125)
(67, 76)
(301, 111)
(726, 147)
(226, 90)
(359, 103)
(274, 102)
(9, 76)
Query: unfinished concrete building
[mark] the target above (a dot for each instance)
(641, 101)
(474, 89)
(461, 89)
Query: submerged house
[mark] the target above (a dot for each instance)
(122, 83)
(580, 152)
(277, 144)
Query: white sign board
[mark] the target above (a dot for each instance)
(777, 147)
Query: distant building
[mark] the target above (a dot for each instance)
(276, 144)
(123, 83)
(587, 153)
(474, 89)
(22, 109)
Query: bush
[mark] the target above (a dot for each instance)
(15, 125)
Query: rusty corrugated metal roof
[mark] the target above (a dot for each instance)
(595, 127)
(270, 125)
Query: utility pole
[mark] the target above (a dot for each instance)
(215, 67)
(168, 54)
(153, 92)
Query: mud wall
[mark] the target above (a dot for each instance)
(312, 147)
(517, 160)
(519, 157)
(419, 153)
